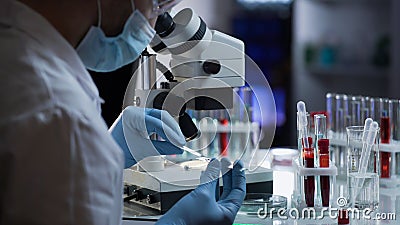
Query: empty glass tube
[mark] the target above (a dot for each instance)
(320, 133)
(356, 111)
(331, 110)
(346, 113)
(365, 112)
(374, 109)
(396, 133)
(340, 124)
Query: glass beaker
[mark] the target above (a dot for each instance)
(363, 188)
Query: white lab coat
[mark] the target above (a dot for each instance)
(58, 163)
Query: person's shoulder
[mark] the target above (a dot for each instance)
(21, 87)
(31, 77)
(15, 42)
(20, 55)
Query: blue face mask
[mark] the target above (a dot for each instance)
(104, 54)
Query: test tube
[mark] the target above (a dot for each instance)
(396, 133)
(385, 120)
(331, 110)
(234, 113)
(339, 116)
(365, 101)
(346, 113)
(309, 181)
(320, 133)
(385, 129)
(374, 109)
(323, 149)
(390, 108)
(393, 121)
(383, 106)
(247, 116)
(214, 148)
(205, 138)
(339, 153)
(396, 120)
(247, 96)
(356, 111)
(300, 136)
(223, 136)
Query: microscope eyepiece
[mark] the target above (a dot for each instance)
(165, 25)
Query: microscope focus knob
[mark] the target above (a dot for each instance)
(188, 128)
(211, 67)
(176, 106)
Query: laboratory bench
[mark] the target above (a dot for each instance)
(283, 185)
(387, 197)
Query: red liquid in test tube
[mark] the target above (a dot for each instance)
(223, 138)
(385, 139)
(343, 217)
(323, 146)
(310, 143)
(309, 181)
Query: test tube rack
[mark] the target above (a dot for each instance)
(298, 196)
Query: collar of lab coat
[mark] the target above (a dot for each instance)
(17, 15)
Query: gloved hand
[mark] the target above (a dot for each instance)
(134, 126)
(200, 206)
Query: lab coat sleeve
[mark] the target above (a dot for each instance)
(59, 167)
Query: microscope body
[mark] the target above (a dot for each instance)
(203, 68)
(223, 59)
(214, 62)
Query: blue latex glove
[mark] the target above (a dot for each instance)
(134, 126)
(200, 206)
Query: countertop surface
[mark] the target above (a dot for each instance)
(388, 211)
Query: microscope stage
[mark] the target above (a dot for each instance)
(177, 178)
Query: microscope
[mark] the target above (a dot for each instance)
(204, 67)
